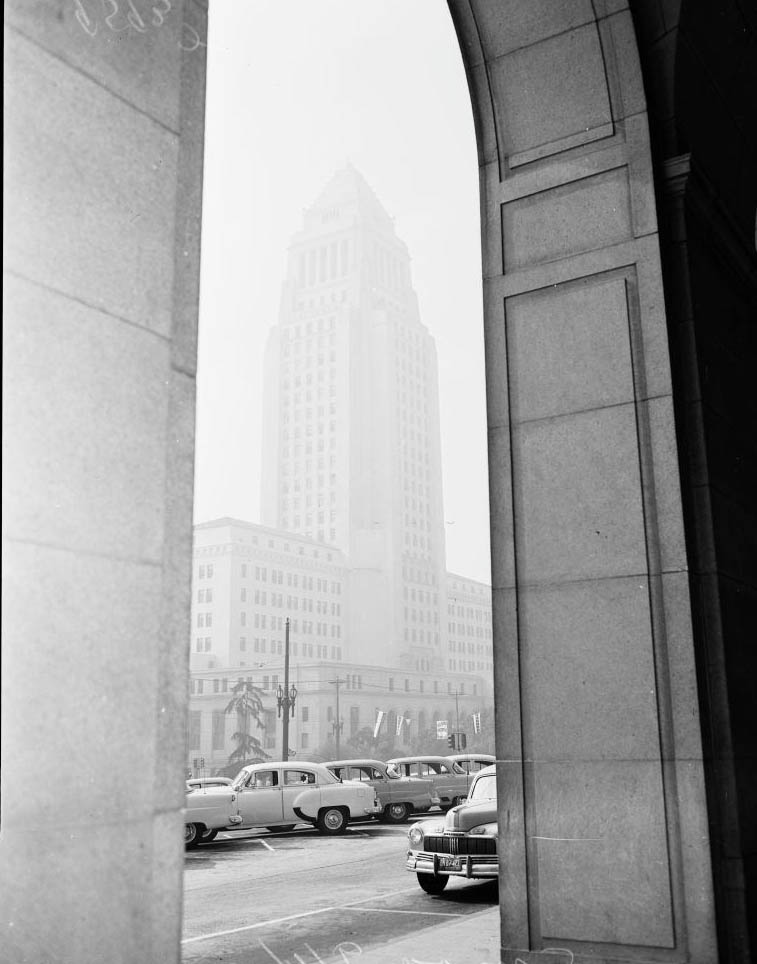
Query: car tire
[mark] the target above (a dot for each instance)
(192, 835)
(285, 828)
(332, 820)
(432, 883)
(208, 835)
(396, 812)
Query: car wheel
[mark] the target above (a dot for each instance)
(208, 835)
(332, 820)
(396, 812)
(432, 883)
(192, 835)
(284, 829)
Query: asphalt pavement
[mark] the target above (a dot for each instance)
(253, 897)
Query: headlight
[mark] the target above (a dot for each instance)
(486, 829)
(415, 836)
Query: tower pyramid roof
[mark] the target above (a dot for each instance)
(348, 188)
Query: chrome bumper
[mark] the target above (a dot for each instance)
(452, 866)
(374, 811)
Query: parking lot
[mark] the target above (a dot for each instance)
(302, 898)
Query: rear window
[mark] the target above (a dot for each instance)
(484, 788)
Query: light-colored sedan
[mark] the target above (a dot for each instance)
(279, 795)
(208, 810)
(398, 796)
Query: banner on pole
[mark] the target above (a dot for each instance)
(476, 722)
(377, 727)
(441, 729)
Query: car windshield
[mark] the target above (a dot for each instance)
(485, 788)
(393, 772)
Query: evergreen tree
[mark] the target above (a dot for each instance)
(247, 703)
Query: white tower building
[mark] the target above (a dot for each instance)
(351, 415)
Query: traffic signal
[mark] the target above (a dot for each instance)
(463, 740)
(451, 742)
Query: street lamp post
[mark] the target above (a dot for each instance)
(285, 697)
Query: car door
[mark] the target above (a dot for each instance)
(260, 799)
(295, 781)
(448, 783)
(369, 775)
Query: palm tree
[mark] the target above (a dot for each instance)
(247, 703)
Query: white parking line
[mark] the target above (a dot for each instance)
(267, 846)
(307, 913)
(388, 910)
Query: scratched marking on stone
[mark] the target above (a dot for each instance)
(120, 16)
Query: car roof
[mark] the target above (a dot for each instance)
(358, 761)
(426, 758)
(486, 771)
(277, 764)
(458, 757)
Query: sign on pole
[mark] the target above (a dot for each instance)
(441, 729)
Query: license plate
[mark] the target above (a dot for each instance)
(450, 863)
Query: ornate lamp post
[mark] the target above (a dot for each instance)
(286, 696)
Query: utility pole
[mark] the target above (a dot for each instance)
(457, 722)
(337, 722)
(286, 697)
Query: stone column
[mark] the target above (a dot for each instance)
(104, 124)
(603, 821)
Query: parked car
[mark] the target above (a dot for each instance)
(463, 843)
(280, 795)
(449, 779)
(195, 783)
(472, 762)
(398, 796)
(208, 810)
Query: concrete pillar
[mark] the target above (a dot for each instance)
(603, 817)
(104, 122)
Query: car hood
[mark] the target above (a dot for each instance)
(469, 815)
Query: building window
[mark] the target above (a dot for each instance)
(305, 714)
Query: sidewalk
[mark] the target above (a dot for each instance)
(470, 939)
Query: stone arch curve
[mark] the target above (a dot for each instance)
(100, 354)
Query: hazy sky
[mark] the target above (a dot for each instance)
(296, 88)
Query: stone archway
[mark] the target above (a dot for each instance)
(596, 683)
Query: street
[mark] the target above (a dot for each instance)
(253, 897)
